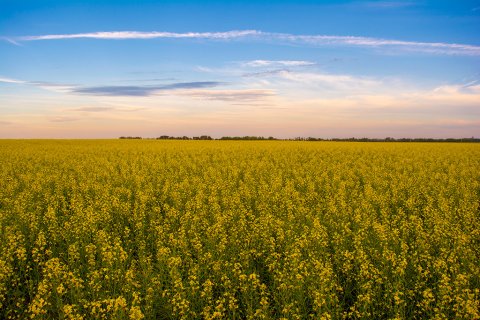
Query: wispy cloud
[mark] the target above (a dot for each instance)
(324, 78)
(277, 63)
(313, 82)
(63, 119)
(249, 95)
(10, 40)
(93, 109)
(191, 85)
(475, 88)
(257, 68)
(100, 109)
(10, 80)
(51, 86)
(386, 4)
(280, 38)
(142, 91)
(57, 87)
(368, 42)
(117, 90)
(122, 35)
(138, 90)
(267, 73)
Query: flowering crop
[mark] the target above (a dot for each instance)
(239, 230)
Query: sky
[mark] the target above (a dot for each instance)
(104, 69)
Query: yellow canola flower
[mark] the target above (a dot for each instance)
(233, 230)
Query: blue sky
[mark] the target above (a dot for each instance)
(103, 69)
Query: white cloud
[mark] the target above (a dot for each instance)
(119, 35)
(475, 88)
(314, 40)
(277, 63)
(9, 80)
(55, 87)
(10, 41)
(247, 95)
(63, 119)
(386, 4)
(336, 80)
(427, 47)
(313, 83)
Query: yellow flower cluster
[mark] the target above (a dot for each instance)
(239, 230)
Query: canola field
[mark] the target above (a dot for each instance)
(145, 229)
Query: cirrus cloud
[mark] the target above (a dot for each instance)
(142, 91)
(10, 80)
(122, 35)
(245, 95)
(439, 48)
(277, 63)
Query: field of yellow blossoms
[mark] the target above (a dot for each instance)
(146, 229)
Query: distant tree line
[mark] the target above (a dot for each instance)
(184, 138)
(387, 139)
(247, 138)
